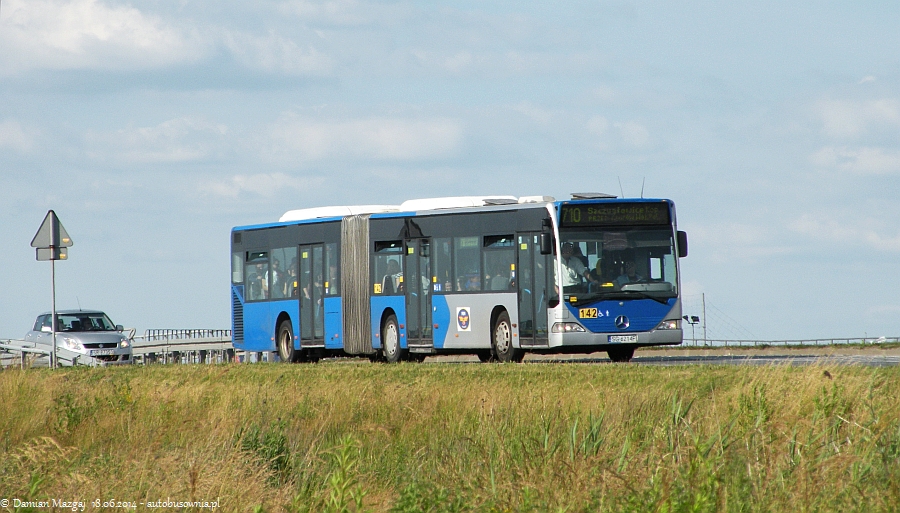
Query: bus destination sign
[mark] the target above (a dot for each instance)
(644, 213)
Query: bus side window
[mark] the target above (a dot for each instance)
(332, 270)
(281, 276)
(467, 256)
(499, 262)
(237, 268)
(442, 271)
(387, 273)
(256, 274)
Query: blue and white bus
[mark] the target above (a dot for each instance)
(492, 276)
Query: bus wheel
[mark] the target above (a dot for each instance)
(621, 355)
(286, 350)
(501, 339)
(390, 340)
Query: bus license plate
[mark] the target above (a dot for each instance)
(623, 338)
(102, 352)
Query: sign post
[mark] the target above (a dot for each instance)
(51, 241)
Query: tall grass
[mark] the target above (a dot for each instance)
(348, 436)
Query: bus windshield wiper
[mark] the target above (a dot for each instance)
(619, 294)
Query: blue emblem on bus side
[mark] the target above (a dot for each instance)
(462, 317)
(622, 322)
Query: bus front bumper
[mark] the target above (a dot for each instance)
(564, 339)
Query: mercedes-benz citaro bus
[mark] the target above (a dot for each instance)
(493, 276)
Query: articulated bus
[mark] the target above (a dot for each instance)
(496, 277)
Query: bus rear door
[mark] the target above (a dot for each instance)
(418, 286)
(312, 291)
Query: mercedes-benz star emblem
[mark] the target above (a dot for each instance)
(622, 322)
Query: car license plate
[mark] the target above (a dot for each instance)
(102, 352)
(622, 338)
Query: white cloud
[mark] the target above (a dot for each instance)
(630, 134)
(176, 140)
(850, 231)
(598, 125)
(851, 119)
(76, 34)
(344, 13)
(458, 62)
(859, 161)
(268, 185)
(538, 114)
(633, 134)
(738, 243)
(375, 138)
(277, 54)
(14, 137)
(605, 94)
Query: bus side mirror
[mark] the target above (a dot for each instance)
(546, 243)
(682, 244)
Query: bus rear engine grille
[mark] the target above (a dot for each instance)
(238, 309)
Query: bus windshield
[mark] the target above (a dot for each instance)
(618, 262)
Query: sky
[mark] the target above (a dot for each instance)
(152, 128)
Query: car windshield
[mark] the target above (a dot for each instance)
(85, 322)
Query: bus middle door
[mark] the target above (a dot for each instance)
(417, 280)
(533, 271)
(312, 292)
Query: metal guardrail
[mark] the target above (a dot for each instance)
(63, 356)
(155, 346)
(820, 342)
(214, 346)
(178, 334)
(183, 346)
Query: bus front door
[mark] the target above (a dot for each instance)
(311, 292)
(531, 280)
(418, 287)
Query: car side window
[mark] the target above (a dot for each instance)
(42, 320)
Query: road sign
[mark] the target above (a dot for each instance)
(51, 239)
(51, 254)
(50, 243)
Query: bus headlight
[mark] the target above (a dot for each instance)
(668, 325)
(568, 327)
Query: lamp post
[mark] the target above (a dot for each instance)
(693, 321)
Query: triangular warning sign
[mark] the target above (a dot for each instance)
(51, 234)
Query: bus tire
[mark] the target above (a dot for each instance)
(286, 350)
(621, 354)
(502, 340)
(390, 340)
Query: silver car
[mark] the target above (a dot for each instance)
(89, 334)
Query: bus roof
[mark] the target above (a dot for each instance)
(318, 214)
(414, 205)
(325, 212)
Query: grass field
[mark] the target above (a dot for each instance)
(353, 436)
